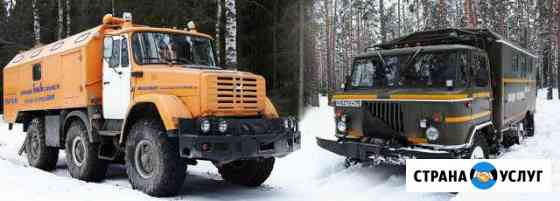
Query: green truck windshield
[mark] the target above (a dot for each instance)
(427, 69)
(164, 48)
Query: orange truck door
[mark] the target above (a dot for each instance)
(116, 77)
(72, 78)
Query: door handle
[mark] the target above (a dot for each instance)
(106, 83)
(137, 74)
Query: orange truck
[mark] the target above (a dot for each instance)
(151, 98)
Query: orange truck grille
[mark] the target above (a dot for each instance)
(235, 94)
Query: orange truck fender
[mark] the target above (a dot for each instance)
(169, 107)
(270, 110)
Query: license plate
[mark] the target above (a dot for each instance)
(348, 103)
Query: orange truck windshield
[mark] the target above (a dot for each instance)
(165, 48)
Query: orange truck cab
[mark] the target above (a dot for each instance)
(151, 98)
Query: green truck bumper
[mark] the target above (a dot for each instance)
(367, 151)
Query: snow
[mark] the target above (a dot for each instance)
(308, 174)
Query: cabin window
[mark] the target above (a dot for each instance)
(363, 75)
(518, 69)
(515, 63)
(115, 57)
(436, 69)
(36, 72)
(18, 58)
(433, 69)
(56, 46)
(107, 49)
(124, 53)
(165, 48)
(82, 37)
(35, 53)
(372, 72)
(530, 65)
(481, 73)
(523, 65)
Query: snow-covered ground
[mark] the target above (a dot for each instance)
(309, 174)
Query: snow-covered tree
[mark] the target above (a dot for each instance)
(3, 15)
(382, 26)
(68, 18)
(36, 21)
(60, 19)
(219, 4)
(231, 33)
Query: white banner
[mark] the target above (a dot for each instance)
(498, 175)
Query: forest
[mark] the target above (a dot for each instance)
(347, 27)
(302, 47)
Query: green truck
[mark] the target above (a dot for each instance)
(452, 93)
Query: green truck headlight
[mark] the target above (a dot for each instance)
(341, 126)
(287, 124)
(432, 133)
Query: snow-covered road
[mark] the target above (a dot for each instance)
(309, 174)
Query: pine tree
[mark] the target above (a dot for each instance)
(16, 30)
(429, 12)
(3, 27)
(68, 17)
(231, 33)
(48, 21)
(60, 19)
(557, 19)
(219, 18)
(328, 18)
(332, 78)
(301, 95)
(113, 9)
(545, 18)
(3, 59)
(399, 18)
(441, 15)
(3, 17)
(20, 30)
(274, 44)
(36, 22)
(82, 18)
(311, 57)
(382, 26)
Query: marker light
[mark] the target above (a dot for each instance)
(437, 117)
(191, 26)
(423, 123)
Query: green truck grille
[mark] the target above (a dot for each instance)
(388, 112)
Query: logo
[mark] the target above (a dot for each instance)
(483, 175)
(454, 175)
(238, 87)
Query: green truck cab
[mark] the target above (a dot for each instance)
(453, 93)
